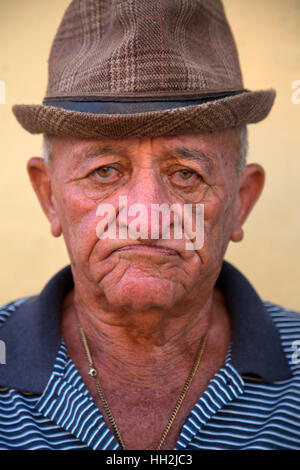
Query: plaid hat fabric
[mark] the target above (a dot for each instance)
(143, 68)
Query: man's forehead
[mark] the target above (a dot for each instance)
(180, 145)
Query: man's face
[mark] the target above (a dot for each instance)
(183, 169)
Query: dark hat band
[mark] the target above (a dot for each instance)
(127, 106)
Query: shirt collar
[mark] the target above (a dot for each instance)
(32, 333)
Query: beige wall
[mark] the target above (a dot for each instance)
(268, 37)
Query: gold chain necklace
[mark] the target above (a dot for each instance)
(93, 373)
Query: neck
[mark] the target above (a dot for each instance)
(143, 344)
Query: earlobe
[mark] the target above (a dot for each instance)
(40, 179)
(237, 234)
(251, 186)
(56, 227)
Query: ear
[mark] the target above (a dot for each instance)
(251, 185)
(39, 175)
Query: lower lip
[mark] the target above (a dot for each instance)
(149, 249)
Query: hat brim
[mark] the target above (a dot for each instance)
(233, 111)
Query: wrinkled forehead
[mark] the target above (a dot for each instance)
(213, 145)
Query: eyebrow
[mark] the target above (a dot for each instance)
(182, 153)
(196, 155)
(103, 150)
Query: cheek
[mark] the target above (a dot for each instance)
(217, 222)
(78, 219)
(215, 208)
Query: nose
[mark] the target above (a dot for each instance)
(144, 212)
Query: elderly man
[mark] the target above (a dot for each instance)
(144, 342)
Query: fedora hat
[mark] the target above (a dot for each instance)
(120, 68)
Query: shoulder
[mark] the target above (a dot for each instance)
(283, 317)
(287, 322)
(8, 309)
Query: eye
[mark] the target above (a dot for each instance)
(106, 172)
(185, 177)
(186, 174)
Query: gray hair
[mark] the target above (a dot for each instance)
(243, 148)
(241, 160)
(47, 148)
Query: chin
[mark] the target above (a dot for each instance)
(143, 293)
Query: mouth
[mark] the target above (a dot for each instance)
(150, 249)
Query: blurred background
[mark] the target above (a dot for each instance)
(267, 33)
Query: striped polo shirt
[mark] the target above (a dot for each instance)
(252, 402)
